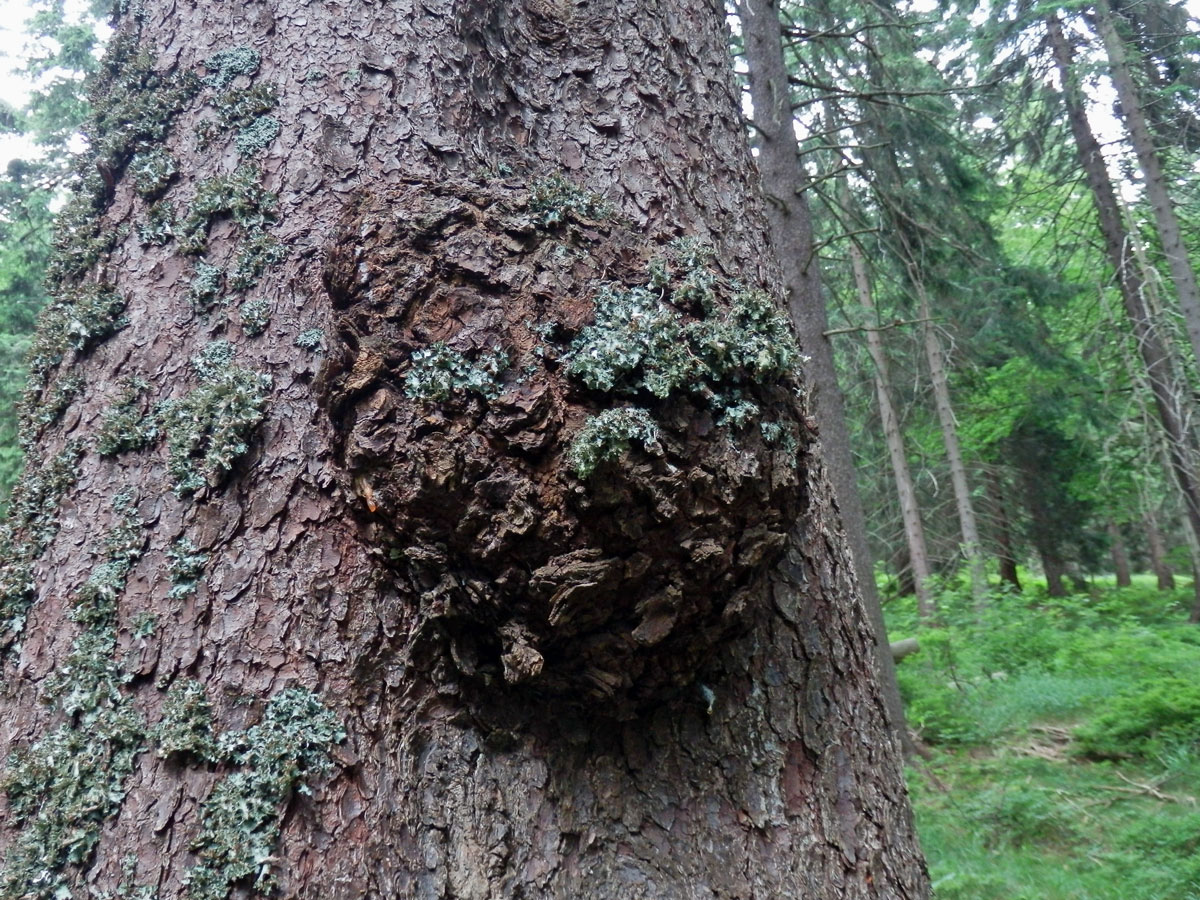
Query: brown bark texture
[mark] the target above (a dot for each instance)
(321, 584)
(1119, 556)
(784, 182)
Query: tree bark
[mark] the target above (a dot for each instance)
(1119, 556)
(1154, 179)
(971, 547)
(568, 662)
(1006, 557)
(1160, 366)
(1158, 554)
(910, 511)
(784, 182)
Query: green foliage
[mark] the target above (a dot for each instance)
(1143, 720)
(607, 435)
(240, 820)
(438, 373)
(209, 429)
(185, 567)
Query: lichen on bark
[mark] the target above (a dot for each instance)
(609, 581)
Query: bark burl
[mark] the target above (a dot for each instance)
(430, 508)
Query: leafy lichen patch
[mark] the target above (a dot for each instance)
(239, 195)
(64, 787)
(31, 524)
(240, 820)
(186, 726)
(210, 428)
(185, 567)
(126, 426)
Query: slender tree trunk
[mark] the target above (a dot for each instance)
(910, 511)
(1154, 179)
(1006, 557)
(788, 216)
(1160, 367)
(583, 640)
(1119, 556)
(971, 547)
(1158, 553)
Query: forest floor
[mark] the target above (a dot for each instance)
(1065, 744)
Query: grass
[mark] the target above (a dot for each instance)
(1065, 739)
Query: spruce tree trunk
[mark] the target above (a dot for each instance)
(1119, 556)
(788, 216)
(1158, 553)
(1161, 369)
(357, 474)
(1006, 556)
(1170, 232)
(910, 511)
(971, 547)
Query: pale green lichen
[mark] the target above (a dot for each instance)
(206, 286)
(438, 373)
(310, 339)
(554, 199)
(151, 171)
(258, 253)
(185, 567)
(186, 727)
(210, 428)
(158, 228)
(257, 135)
(256, 315)
(126, 427)
(238, 195)
(226, 65)
(32, 522)
(240, 819)
(63, 788)
(606, 436)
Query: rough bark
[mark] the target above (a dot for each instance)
(784, 182)
(1154, 180)
(1119, 556)
(333, 554)
(910, 510)
(1159, 364)
(972, 549)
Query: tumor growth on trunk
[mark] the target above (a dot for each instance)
(578, 449)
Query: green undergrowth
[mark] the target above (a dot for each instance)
(1066, 742)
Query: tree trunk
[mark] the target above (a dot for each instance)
(1160, 366)
(910, 511)
(1158, 554)
(1119, 556)
(784, 182)
(971, 547)
(1154, 179)
(1006, 557)
(478, 606)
